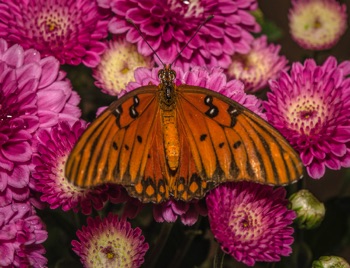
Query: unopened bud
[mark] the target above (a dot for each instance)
(330, 262)
(310, 211)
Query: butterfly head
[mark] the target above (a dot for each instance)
(167, 75)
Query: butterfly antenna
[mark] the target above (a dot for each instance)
(182, 49)
(144, 39)
(195, 33)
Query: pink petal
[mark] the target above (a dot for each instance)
(14, 56)
(50, 67)
(316, 170)
(18, 152)
(91, 59)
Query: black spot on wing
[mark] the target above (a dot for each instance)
(213, 111)
(237, 144)
(132, 110)
(117, 112)
(234, 112)
(203, 137)
(115, 146)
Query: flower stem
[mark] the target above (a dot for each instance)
(158, 246)
(178, 258)
(218, 258)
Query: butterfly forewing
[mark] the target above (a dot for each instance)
(102, 153)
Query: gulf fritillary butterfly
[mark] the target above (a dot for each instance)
(179, 141)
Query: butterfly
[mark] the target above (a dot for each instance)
(167, 141)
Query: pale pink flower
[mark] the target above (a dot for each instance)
(255, 68)
(110, 242)
(317, 24)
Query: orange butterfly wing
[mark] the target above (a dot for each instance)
(114, 145)
(124, 145)
(229, 142)
(219, 140)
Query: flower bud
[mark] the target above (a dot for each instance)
(329, 262)
(310, 211)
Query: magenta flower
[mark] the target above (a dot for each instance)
(310, 107)
(168, 25)
(110, 242)
(53, 149)
(70, 30)
(317, 24)
(171, 210)
(255, 68)
(251, 221)
(34, 95)
(21, 236)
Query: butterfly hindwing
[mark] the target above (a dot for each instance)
(233, 142)
(152, 182)
(189, 183)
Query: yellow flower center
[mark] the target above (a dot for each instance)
(317, 23)
(110, 255)
(51, 26)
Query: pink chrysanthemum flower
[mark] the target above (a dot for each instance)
(317, 24)
(258, 66)
(212, 79)
(168, 25)
(117, 66)
(110, 242)
(21, 236)
(251, 221)
(34, 95)
(53, 149)
(70, 30)
(310, 107)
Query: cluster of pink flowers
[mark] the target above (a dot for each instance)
(35, 96)
(167, 25)
(40, 120)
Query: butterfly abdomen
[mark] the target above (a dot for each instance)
(171, 138)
